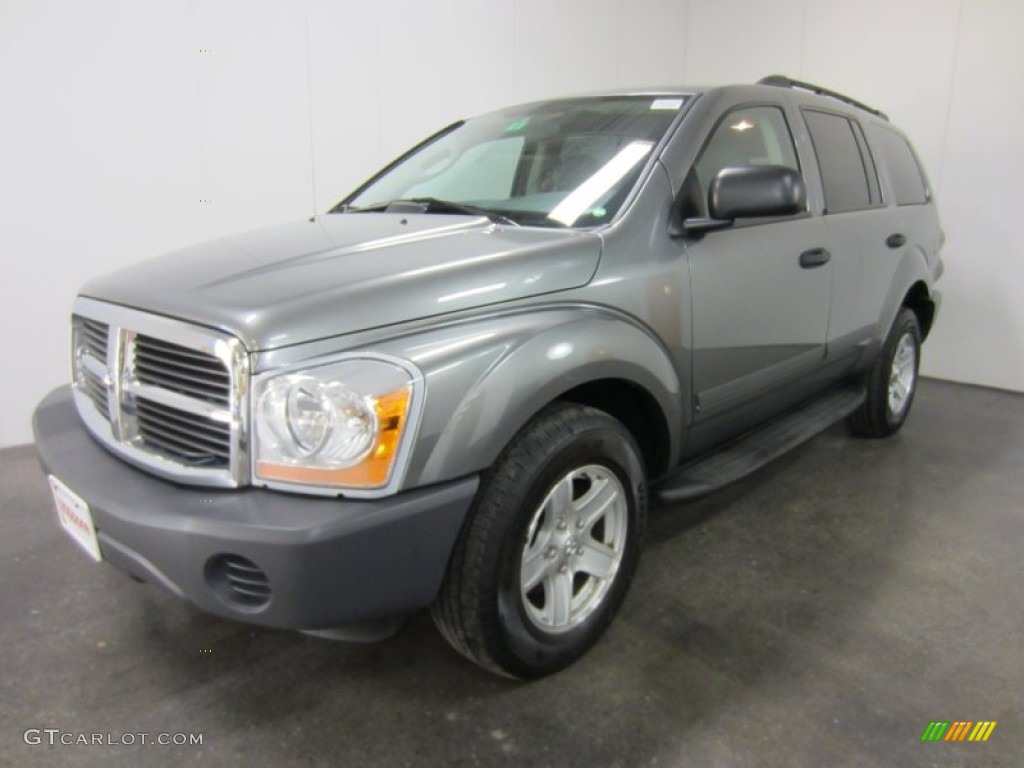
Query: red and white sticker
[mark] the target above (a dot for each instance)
(75, 517)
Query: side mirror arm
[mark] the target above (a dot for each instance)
(697, 226)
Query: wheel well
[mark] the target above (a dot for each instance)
(919, 302)
(638, 411)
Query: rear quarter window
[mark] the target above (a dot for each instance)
(905, 174)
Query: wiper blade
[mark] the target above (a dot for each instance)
(436, 205)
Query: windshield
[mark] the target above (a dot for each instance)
(568, 163)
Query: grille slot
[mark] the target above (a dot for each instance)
(95, 337)
(194, 440)
(97, 393)
(239, 581)
(180, 369)
(91, 340)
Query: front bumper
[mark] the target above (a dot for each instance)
(328, 562)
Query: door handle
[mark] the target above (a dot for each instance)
(896, 240)
(814, 258)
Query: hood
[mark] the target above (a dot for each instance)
(349, 272)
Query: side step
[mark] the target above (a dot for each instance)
(755, 449)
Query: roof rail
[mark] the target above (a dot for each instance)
(781, 81)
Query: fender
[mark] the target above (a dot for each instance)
(913, 268)
(486, 378)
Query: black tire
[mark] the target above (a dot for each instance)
(481, 609)
(876, 417)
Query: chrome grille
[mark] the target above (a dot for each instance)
(192, 439)
(95, 336)
(97, 393)
(90, 341)
(166, 395)
(180, 369)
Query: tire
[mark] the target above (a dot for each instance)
(891, 381)
(565, 503)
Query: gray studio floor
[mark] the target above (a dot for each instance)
(821, 613)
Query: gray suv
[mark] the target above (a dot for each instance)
(462, 386)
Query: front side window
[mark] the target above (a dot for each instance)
(744, 137)
(568, 163)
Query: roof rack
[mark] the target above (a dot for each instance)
(781, 81)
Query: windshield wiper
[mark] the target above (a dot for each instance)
(435, 205)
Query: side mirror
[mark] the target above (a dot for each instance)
(756, 190)
(748, 192)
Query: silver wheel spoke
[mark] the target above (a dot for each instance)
(535, 568)
(592, 509)
(560, 499)
(557, 599)
(598, 560)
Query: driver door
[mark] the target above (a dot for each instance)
(760, 289)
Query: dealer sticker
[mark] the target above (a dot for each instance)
(75, 517)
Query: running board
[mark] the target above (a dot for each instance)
(755, 449)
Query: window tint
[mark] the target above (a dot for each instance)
(745, 136)
(869, 164)
(842, 168)
(908, 184)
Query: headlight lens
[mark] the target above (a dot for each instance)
(337, 425)
(305, 418)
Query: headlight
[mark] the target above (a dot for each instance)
(339, 426)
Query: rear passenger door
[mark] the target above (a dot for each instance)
(760, 300)
(907, 189)
(858, 226)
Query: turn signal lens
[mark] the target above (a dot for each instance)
(390, 411)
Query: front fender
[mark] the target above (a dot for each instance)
(485, 379)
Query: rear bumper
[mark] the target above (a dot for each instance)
(328, 562)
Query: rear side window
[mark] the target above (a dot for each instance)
(844, 172)
(869, 164)
(908, 184)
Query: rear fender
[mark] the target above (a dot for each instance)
(913, 268)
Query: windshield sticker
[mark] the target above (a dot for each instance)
(518, 125)
(666, 104)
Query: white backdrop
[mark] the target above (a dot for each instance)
(131, 128)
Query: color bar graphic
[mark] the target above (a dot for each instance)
(982, 731)
(958, 730)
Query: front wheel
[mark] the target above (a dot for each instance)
(550, 546)
(891, 381)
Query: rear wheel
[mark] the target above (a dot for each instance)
(550, 546)
(891, 381)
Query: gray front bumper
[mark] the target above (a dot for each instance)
(329, 562)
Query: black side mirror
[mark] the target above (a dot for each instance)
(756, 190)
(748, 192)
